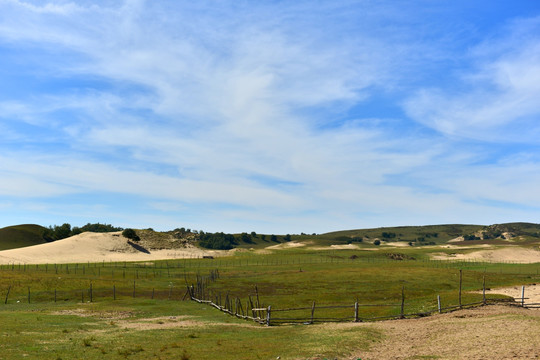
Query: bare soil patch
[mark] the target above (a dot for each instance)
(490, 332)
(105, 315)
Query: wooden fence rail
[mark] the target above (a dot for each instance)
(264, 314)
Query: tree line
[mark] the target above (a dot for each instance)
(59, 232)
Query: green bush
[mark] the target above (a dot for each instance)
(217, 241)
(130, 234)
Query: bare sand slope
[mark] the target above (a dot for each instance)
(508, 254)
(95, 247)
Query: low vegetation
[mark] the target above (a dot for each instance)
(18, 236)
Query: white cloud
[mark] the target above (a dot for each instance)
(239, 113)
(500, 96)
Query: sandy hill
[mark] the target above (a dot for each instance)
(96, 247)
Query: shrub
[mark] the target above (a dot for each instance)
(218, 241)
(130, 234)
(377, 242)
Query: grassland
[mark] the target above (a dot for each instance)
(122, 310)
(156, 323)
(18, 236)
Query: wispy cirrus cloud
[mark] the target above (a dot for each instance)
(498, 97)
(267, 116)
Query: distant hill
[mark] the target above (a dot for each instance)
(439, 234)
(18, 236)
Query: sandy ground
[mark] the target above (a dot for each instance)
(532, 293)
(94, 247)
(508, 254)
(287, 245)
(490, 332)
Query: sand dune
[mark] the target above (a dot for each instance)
(508, 254)
(95, 247)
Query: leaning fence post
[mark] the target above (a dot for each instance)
(268, 315)
(439, 303)
(251, 306)
(259, 313)
(523, 296)
(7, 295)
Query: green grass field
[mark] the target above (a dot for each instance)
(156, 323)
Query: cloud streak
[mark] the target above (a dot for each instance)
(266, 116)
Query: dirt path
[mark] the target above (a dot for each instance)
(491, 332)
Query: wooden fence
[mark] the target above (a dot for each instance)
(267, 315)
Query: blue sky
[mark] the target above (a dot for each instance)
(269, 116)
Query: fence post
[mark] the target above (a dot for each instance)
(134, 289)
(251, 307)
(54, 295)
(7, 295)
(439, 303)
(356, 311)
(522, 296)
(460, 283)
(484, 290)
(268, 315)
(402, 302)
(259, 314)
(91, 295)
(312, 312)
(29, 294)
(114, 291)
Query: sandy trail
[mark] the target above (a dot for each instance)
(95, 247)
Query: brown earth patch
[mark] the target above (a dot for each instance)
(103, 315)
(491, 332)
